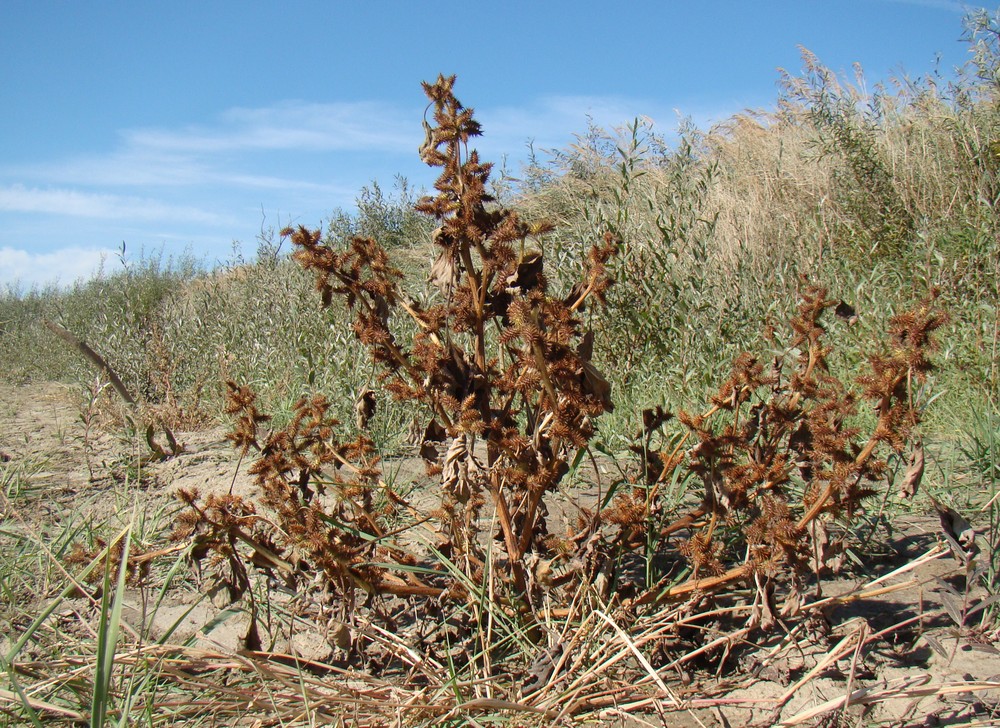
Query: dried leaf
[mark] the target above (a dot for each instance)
(525, 278)
(338, 634)
(574, 295)
(793, 601)
(959, 533)
(595, 384)
(936, 645)
(717, 496)
(427, 147)
(762, 612)
(433, 433)
(459, 469)
(954, 609)
(252, 640)
(826, 554)
(445, 271)
(364, 408)
(914, 472)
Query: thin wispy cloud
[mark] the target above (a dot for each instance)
(120, 167)
(549, 122)
(274, 182)
(207, 154)
(203, 185)
(24, 270)
(287, 126)
(75, 203)
(208, 184)
(139, 169)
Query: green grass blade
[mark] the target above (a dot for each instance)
(107, 634)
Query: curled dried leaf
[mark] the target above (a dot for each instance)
(826, 554)
(527, 274)
(914, 472)
(364, 408)
(444, 272)
(762, 613)
(432, 434)
(427, 148)
(338, 634)
(460, 469)
(793, 601)
(595, 384)
(540, 672)
(958, 532)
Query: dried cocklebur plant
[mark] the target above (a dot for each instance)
(302, 540)
(500, 365)
(790, 455)
(501, 368)
(497, 360)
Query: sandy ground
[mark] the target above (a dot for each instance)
(73, 470)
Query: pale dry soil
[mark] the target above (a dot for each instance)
(72, 474)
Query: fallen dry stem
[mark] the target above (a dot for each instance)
(903, 688)
(867, 591)
(850, 642)
(634, 649)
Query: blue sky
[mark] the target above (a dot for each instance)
(185, 126)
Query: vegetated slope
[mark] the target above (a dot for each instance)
(879, 196)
